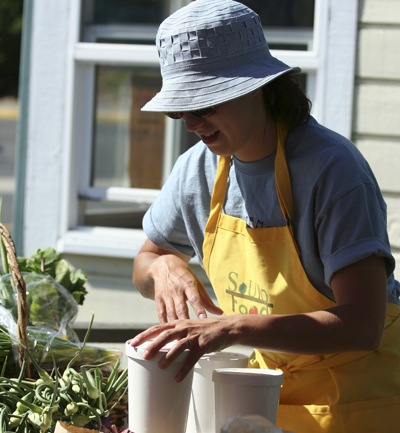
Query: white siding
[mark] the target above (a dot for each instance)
(377, 109)
(376, 120)
(378, 52)
(379, 11)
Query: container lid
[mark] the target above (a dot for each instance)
(222, 356)
(248, 376)
(137, 352)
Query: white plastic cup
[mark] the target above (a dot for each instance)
(201, 418)
(250, 424)
(245, 391)
(156, 403)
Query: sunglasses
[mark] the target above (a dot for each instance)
(204, 112)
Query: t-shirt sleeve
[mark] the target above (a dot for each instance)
(353, 228)
(163, 223)
(163, 226)
(177, 218)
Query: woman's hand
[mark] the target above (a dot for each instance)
(197, 336)
(165, 276)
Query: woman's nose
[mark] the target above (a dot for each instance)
(191, 121)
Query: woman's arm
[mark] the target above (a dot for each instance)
(165, 276)
(355, 323)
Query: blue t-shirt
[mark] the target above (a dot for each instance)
(339, 215)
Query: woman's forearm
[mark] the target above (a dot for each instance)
(142, 278)
(339, 329)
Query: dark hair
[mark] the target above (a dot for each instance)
(286, 101)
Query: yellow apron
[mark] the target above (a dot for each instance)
(258, 271)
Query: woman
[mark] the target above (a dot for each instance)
(286, 218)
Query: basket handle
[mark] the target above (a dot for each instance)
(21, 297)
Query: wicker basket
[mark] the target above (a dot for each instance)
(21, 298)
(119, 412)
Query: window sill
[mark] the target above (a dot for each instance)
(102, 241)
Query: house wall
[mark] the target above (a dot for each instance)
(376, 116)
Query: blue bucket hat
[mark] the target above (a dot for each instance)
(212, 51)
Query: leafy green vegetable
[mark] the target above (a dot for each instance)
(6, 352)
(83, 395)
(48, 262)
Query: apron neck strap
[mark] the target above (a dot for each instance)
(282, 178)
(219, 191)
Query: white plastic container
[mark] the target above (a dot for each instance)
(201, 417)
(156, 403)
(251, 424)
(246, 391)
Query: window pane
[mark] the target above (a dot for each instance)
(112, 214)
(288, 23)
(128, 143)
(128, 148)
(119, 21)
(125, 12)
(284, 13)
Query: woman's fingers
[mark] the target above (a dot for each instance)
(197, 337)
(209, 304)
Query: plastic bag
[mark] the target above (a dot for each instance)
(8, 351)
(51, 313)
(50, 305)
(7, 321)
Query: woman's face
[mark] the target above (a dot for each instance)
(240, 127)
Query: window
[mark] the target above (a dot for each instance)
(121, 156)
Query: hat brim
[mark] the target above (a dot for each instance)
(195, 91)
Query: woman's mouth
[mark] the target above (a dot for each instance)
(209, 138)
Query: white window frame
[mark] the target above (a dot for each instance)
(330, 68)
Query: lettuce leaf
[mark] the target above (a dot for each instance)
(48, 262)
